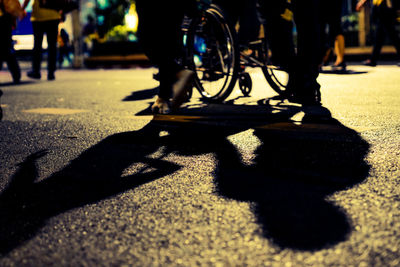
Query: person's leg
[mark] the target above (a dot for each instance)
(13, 67)
(6, 49)
(390, 26)
(339, 49)
(304, 73)
(38, 33)
(160, 35)
(336, 31)
(51, 29)
(378, 42)
(278, 27)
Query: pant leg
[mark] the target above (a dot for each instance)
(51, 29)
(390, 27)
(278, 31)
(307, 15)
(38, 32)
(160, 36)
(7, 50)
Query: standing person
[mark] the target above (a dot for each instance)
(384, 16)
(10, 10)
(160, 35)
(44, 21)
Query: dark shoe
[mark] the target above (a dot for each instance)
(339, 67)
(16, 78)
(370, 63)
(306, 97)
(51, 77)
(34, 75)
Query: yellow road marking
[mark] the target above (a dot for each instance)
(55, 111)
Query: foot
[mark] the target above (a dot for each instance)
(339, 66)
(306, 96)
(51, 77)
(16, 78)
(370, 63)
(34, 75)
(182, 88)
(160, 106)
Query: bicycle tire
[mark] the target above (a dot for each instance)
(212, 54)
(276, 76)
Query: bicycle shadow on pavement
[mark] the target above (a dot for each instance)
(97, 174)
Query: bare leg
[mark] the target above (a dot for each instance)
(339, 49)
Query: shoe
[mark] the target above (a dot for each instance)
(341, 67)
(34, 75)
(51, 77)
(16, 78)
(370, 63)
(160, 106)
(182, 88)
(307, 97)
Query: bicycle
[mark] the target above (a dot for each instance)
(213, 53)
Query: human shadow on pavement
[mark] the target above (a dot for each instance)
(340, 72)
(296, 167)
(295, 170)
(98, 173)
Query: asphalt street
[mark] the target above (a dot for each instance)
(89, 177)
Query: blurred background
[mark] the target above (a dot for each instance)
(102, 31)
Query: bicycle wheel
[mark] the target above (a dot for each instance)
(212, 54)
(274, 72)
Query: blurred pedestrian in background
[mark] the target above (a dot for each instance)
(160, 35)
(64, 48)
(384, 16)
(44, 21)
(332, 18)
(10, 11)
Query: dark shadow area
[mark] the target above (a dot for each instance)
(142, 94)
(296, 167)
(96, 174)
(16, 84)
(346, 72)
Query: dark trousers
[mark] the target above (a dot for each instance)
(161, 38)
(6, 48)
(278, 31)
(385, 26)
(308, 19)
(50, 28)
